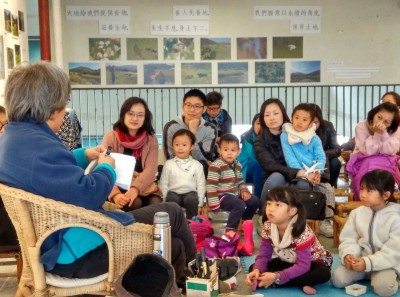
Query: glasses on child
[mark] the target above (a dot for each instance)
(139, 116)
(195, 107)
(213, 109)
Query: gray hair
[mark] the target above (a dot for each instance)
(36, 91)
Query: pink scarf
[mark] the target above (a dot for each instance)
(135, 143)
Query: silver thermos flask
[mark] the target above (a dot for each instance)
(162, 235)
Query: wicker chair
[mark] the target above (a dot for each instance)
(36, 217)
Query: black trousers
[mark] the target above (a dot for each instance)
(183, 247)
(318, 274)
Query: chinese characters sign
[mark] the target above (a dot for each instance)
(112, 19)
(195, 12)
(179, 28)
(303, 19)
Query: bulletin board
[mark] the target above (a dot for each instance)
(230, 42)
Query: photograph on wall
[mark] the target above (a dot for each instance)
(2, 66)
(196, 73)
(305, 71)
(142, 48)
(159, 74)
(287, 47)
(105, 49)
(269, 72)
(10, 58)
(121, 74)
(21, 21)
(233, 73)
(84, 73)
(17, 53)
(14, 24)
(251, 48)
(178, 48)
(215, 48)
(7, 20)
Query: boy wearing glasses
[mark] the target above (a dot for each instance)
(217, 116)
(193, 107)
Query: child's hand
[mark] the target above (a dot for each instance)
(245, 195)
(266, 279)
(252, 276)
(120, 200)
(379, 127)
(358, 264)
(348, 261)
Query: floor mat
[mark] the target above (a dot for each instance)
(324, 289)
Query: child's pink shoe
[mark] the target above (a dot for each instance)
(247, 247)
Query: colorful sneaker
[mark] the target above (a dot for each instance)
(228, 236)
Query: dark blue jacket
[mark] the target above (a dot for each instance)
(34, 159)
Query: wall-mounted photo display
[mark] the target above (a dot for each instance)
(17, 52)
(104, 48)
(7, 20)
(215, 48)
(178, 48)
(159, 74)
(269, 72)
(2, 66)
(287, 47)
(142, 48)
(10, 58)
(233, 73)
(305, 71)
(251, 48)
(121, 74)
(196, 73)
(84, 73)
(21, 21)
(14, 24)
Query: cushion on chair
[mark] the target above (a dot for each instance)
(63, 282)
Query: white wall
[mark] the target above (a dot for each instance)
(355, 34)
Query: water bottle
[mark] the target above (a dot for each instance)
(162, 235)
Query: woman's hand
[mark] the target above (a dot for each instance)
(314, 178)
(93, 153)
(266, 279)
(301, 173)
(120, 200)
(252, 276)
(131, 195)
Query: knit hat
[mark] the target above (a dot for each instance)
(148, 275)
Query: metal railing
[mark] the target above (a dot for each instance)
(344, 105)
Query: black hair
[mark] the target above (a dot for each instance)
(281, 107)
(195, 93)
(248, 135)
(214, 98)
(126, 107)
(2, 109)
(228, 138)
(307, 108)
(290, 196)
(321, 131)
(389, 107)
(186, 132)
(395, 95)
(379, 180)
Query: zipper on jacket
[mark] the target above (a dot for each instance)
(370, 229)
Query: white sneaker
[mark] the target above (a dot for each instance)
(326, 228)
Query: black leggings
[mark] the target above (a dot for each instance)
(318, 274)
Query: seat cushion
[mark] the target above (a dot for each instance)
(63, 282)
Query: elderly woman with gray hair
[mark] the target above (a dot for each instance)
(36, 96)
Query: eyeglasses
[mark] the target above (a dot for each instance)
(139, 116)
(212, 109)
(195, 107)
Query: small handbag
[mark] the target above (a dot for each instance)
(313, 201)
(201, 228)
(215, 247)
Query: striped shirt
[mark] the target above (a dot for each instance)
(223, 178)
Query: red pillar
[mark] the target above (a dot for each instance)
(44, 30)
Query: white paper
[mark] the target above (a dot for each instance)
(124, 168)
